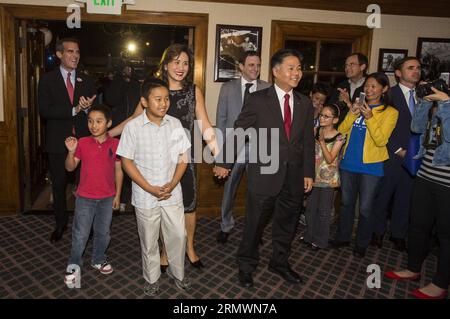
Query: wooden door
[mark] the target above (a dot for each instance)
(31, 130)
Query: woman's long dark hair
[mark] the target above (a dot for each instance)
(172, 52)
(383, 80)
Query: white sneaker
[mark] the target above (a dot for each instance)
(104, 268)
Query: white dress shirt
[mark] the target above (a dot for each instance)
(281, 94)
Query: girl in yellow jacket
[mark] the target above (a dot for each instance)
(368, 126)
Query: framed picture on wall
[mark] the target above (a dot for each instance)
(434, 54)
(231, 43)
(388, 57)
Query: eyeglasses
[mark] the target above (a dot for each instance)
(350, 65)
(326, 117)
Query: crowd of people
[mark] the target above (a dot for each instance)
(351, 139)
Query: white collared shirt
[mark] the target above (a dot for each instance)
(155, 151)
(243, 83)
(407, 92)
(354, 86)
(281, 94)
(64, 73)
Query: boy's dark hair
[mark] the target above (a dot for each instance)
(102, 108)
(151, 84)
(280, 55)
(322, 88)
(246, 54)
(59, 46)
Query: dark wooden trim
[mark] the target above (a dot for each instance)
(9, 167)
(437, 8)
(360, 36)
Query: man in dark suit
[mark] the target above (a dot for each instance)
(347, 91)
(275, 187)
(231, 99)
(64, 96)
(397, 182)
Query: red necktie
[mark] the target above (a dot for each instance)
(287, 116)
(69, 88)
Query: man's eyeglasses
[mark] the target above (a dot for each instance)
(350, 65)
(326, 117)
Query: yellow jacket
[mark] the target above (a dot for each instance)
(379, 129)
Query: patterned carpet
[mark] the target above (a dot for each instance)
(32, 267)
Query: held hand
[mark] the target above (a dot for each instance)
(116, 202)
(355, 108)
(220, 172)
(167, 191)
(308, 184)
(344, 96)
(437, 96)
(71, 144)
(366, 111)
(321, 136)
(401, 153)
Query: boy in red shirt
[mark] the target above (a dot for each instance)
(98, 191)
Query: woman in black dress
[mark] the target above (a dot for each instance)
(188, 105)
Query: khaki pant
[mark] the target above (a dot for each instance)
(170, 219)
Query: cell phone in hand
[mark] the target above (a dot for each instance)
(362, 98)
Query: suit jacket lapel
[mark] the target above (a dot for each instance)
(238, 94)
(296, 117)
(274, 106)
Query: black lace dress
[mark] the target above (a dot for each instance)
(182, 106)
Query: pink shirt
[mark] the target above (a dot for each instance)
(97, 176)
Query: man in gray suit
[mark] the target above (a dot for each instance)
(231, 100)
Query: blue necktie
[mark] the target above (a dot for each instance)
(412, 102)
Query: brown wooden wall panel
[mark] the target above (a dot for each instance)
(436, 8)
(9, 185)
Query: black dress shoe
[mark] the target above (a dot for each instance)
(245, 279)
(359, 252)
(399, 244)
(287, 274)
(338, 244)
(196, 264)
(57, 234)
(222, 237)
(377, 240)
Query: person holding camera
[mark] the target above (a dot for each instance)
(431, 194)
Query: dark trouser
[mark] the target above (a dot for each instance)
(352, 185)
(125, 195)
(430, 206)
(318, 216)
(59, 182)
(285, 208)
(397, 185)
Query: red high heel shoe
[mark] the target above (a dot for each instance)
(421, 295)
(394, 276)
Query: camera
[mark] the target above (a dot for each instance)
(425, 89)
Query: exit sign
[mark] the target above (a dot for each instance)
(105, 6)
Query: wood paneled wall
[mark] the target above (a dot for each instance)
(9, 168)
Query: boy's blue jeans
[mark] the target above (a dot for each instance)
(88, 212)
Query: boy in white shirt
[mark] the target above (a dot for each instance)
(154, 150)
